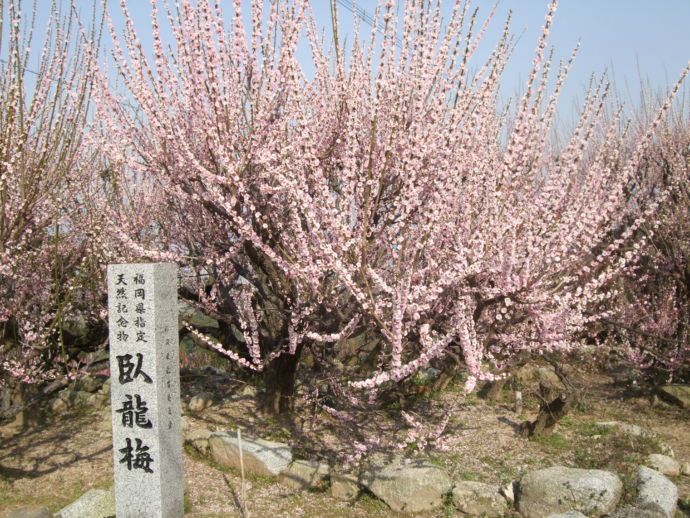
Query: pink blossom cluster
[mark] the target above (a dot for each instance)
(421, 438)
(390, 192)
(649, 321)
(47, 259)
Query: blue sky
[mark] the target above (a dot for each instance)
(632, 40)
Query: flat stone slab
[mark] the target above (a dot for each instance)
(260, 457)
(560, 489)
(478, 499)
(344, 487)
(304, 474)
(95, 503)
(653, 487)
(407, 485)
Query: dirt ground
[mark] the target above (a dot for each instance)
(54, 462)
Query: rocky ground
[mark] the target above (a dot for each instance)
(52, 459)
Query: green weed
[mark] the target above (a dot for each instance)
(590, 429)
(554, 441)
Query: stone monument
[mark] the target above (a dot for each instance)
(145, 390)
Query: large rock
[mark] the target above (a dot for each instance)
(677, 394)
(200, 402)
(30, 512)
(479, 499)
(105, 389)
(665, 449)
(344, 486)
(653, 487)
(569, 514)
(95, 503)
(260, 457)
(76, 325)
(186, 424)
(97, 401)
(663, 464)
(625, 375)
(304, 474)
(509, 491)
(407, 485)
(629, 429)
(195, 317)
(90, 383)
(70, 399)
(560, 489)
(198, 439)
(544, 375)
(648, 510)
(58, 405)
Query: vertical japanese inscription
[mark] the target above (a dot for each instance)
(145, 391)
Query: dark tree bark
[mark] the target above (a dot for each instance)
(24, 404)
(556, 401)
(493, 390)
(549, 415)
(280, 376)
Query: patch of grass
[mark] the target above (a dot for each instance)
(530, 400)
(582, 406)
(187, 505)
(448, 509)
(420, 381)
(280, 434)
(467, 475)
(590, 429)
(435, 394)
(456, 385)
(617, 452)
(456, 421)
(567, 421)
(502, 469)
(192, 452)
(370, 503)
(684, 504)
(67, 495)
(411, 449)
(471, 399)
(628, 476)
(554, 441)
(5, 484)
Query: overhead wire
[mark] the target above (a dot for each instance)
(356, 10)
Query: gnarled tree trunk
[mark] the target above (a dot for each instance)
(280, 376)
